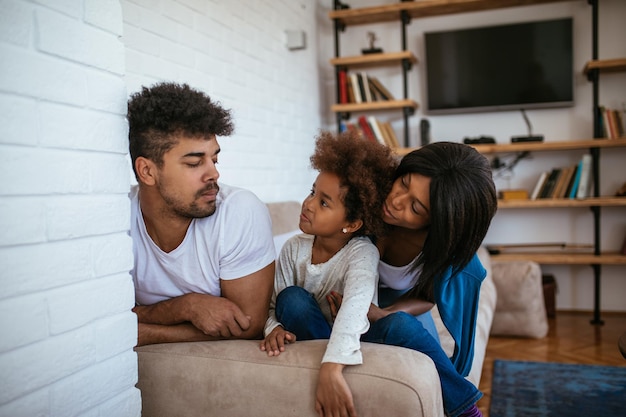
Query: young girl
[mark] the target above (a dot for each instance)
(333, 255)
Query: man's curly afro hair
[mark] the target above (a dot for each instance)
(159, 114)
(365, 169)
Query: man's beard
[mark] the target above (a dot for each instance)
(192, 210)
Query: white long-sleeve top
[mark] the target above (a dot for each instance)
(353, 272)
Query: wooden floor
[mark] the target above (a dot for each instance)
(571, 339)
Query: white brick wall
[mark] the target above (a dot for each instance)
(66, 70)
(65, 319)
(235, 51)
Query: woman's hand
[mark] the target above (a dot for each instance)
(334, 300)
(333, 396)
(275, 342)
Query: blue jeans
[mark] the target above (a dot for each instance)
(387, 296)
(300, 314)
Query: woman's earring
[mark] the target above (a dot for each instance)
(344, 230)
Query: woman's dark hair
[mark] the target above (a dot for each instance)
(463, 201)
(365, 169)
(159, 114)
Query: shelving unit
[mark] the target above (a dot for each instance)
(404, 12)
(404, 59)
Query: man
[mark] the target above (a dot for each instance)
(204, 255)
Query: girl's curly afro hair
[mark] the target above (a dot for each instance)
(365, 169)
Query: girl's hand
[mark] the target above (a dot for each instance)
(275, 342)
(333, 396)
(334, 300)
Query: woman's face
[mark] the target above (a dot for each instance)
(408, 203)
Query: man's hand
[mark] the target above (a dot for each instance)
(275, 342)
(333, 396)
(216, 316)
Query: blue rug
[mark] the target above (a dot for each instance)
(548, 389)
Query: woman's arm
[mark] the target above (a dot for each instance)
(413, 306)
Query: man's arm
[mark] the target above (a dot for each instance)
(252, 294)
(240, 313)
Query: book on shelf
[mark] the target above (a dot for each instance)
(563, 182)
(574, 188)
(539, 184)
(381, 91)
(343, 86)
(390, 134)
(584, 184)
(356, 89)
(612, 122)
(368, 133)
(366, 87)
(550, 183)
(514, 194)
(359, 78)
(370, 128)
(375, 125)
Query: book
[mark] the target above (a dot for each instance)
(361, 87)
(354, 79)
(548, 186)
(343, 87)
(561, 185)
(570, 183)
(584, 184)
(391, 135)
(574, 188)
(367, 130)
(538, 185)
(366, 87)
(378, 134)
(517, 194)
(380, 89)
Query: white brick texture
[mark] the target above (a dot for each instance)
(66, 71)
(65, 254)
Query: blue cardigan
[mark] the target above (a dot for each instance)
(456, 297)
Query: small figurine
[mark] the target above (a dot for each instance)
(371, 36)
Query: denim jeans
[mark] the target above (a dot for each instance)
(387, 296)
(300, 314)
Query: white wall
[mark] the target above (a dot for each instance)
(66, 70)
(575, 283)
(67, 330)
(236, 52)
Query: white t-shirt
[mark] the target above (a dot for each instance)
(351, 272)
(233, 242)
(398, 277)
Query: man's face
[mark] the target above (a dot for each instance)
(187, 181)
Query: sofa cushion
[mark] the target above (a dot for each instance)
(520, 310)
(183, 379)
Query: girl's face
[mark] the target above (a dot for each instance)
(323, 212)
(408, 203)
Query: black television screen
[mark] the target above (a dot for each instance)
(506, 67)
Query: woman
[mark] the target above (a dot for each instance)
(438, 211)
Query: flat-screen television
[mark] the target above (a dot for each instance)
(506, 67)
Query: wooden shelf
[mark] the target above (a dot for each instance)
(563, 202)
(540, 146)
(423, 8)
(606, 65)
(571, 258)
(374, 106)
(374, 60)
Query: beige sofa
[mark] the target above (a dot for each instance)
(234, 378)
